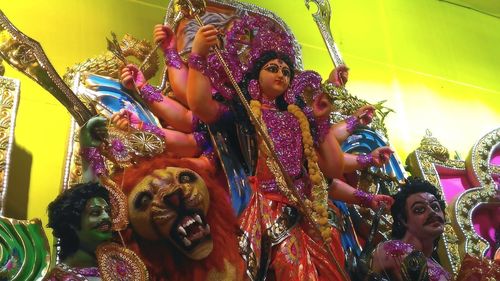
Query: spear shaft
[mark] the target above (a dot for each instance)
(266, 140)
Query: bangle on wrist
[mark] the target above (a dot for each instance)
(198, 62)
(352, 123)
(323, 126)
(150, 94)
(146, 127)
(172, 58)
(363, 199)
(93, 157)
(365, 160)
(201, 140)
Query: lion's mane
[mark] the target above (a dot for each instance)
(164, 261)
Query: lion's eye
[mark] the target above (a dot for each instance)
(187, 177)
(143, 200)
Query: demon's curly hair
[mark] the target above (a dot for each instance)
(65, 214)
(411, 186)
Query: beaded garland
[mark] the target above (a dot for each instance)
(319, 193)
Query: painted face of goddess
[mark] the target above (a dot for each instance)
(425, 218)
(95, 223)
(274, 78)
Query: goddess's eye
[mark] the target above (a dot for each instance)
(272, 68)
(286, 72)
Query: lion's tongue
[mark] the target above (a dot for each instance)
(195, 233)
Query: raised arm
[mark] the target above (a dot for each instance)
(343, 129)
(377, 157)
(165, 108)
(363, 116)
(177, 143)
(91, 136)
(199, 94)
(331, 160)
(339, 190)
(177, 70)
(330, 155)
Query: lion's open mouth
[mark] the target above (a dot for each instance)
(190, 229)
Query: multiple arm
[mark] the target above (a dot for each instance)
(193, 88)
(177, 70)
(165, 108)
(92, 134)
(334, 162)
(343, 129)
(199, 95)
(179, 143)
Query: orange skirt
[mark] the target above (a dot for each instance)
(297, 255)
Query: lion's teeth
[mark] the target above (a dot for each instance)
(198, 218)
(182, 230)
(186, 241)
(207, 229)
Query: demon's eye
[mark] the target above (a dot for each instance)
(142, 200)
(187, 177)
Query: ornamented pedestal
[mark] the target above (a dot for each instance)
(24, 249)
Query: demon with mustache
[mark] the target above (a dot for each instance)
(419, 217)
(183, 226)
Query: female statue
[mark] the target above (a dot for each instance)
(275, 234)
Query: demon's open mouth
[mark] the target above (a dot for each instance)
(190, 229)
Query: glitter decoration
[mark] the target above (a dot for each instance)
(172, 58)
(365, 160)
(198, 62)
(352, 123)
(254, 89)
(323, 127)
(119, 263)
(364, 199)
(118, 150)
(201, 140)
(265, 34)
(397, 248)
(306, 81)
(95, 160)
(400, 249)
(150, 94)
(284, 130)
(153, 129)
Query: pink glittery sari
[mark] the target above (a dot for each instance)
(277, 242)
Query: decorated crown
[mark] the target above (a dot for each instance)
(252, 36)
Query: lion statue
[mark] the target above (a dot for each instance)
(182, 223)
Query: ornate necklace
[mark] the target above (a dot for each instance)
(319, 192)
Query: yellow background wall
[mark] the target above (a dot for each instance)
(436, 64)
